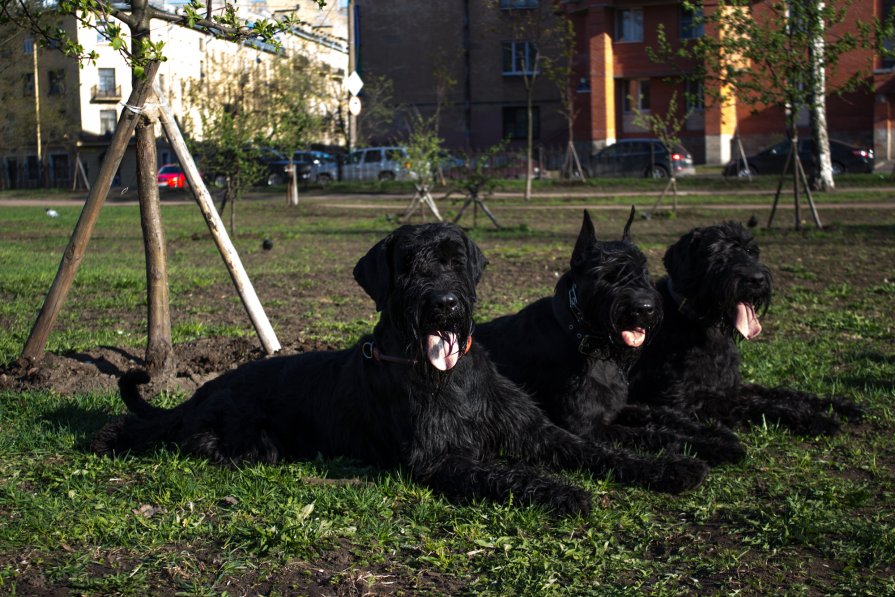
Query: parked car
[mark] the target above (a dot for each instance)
(844, 158)
(273, 173)
(370, 163)
(642, 157)
(171, 176)
(309, 162)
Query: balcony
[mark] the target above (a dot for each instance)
(102, 93)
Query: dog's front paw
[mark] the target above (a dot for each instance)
(848, 409)
(719, 451)
(819, 424)
(677, 475)
(569, 501)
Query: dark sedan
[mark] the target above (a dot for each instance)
(844, 158)
(642, 157)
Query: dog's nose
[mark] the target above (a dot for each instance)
(446, 302)
(756, 279)
(644, 308)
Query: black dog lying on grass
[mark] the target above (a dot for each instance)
(417, 393)
(573, 350)
(715, 288)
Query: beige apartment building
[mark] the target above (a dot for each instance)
(79, 105)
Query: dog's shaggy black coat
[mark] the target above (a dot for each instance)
(467, 431)
(714, 275)
(573, 350)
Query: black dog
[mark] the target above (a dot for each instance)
(715, 288)
(417, 393)
(573, 350)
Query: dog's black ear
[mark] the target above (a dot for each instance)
(626, 236)
(374, 274)
(475, 260)
(678, 259)
(586, 239)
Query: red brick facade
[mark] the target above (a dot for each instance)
(410, 41)
(861, 117)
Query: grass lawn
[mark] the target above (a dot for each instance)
(800, 516)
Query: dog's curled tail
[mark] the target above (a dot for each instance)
(127, 385)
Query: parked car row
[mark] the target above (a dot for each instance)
(844, 158)
(627, 157)
(642, 157)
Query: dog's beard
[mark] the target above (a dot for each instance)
(741, 305)
(631, 330)
(440, 341)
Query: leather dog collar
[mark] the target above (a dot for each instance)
(371, 352)
(681, 301)
(588, 344)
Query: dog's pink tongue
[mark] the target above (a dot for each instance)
(747, 323)
(443, 353)
(634, 338)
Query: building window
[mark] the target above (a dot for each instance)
(57, 82)
(511, 4)
(59, 166)
(28, 85)
(888, 57)
(629, 24)
(694, 97)
(519, 58)
(106, 81)
(101, 32)
(32, 165)
(691, 23)
(28, 45)
(635, 94)
(515, 122)
(107, 121)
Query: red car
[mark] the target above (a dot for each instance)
(171, 176)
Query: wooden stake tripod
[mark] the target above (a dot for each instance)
(472, 198)
(77, 246)
(421, 197)
(672, 184)
(798, 177)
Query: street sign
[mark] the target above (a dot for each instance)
(354, 105)
(354, 83)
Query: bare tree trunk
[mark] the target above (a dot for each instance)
(818, 115)
(77, 244)
(159, 350)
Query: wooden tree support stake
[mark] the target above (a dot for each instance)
(218, 231)
(77, 244)
(420, 198)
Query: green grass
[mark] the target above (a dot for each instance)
(799, 516)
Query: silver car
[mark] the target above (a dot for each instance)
(370, 163)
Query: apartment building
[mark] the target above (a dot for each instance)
(79, 105)
(613, 37)
(474, 44)
(469, 60)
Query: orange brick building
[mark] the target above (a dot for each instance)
(472, 43)
(613, 37)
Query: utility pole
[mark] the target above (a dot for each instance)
(352, 61)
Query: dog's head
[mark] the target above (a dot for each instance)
(716, 273)
(423, 280)
(616, 300)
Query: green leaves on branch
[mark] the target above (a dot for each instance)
(105, 17)
(763, 54)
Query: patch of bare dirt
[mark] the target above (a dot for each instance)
(339, 571)
(97, 370)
